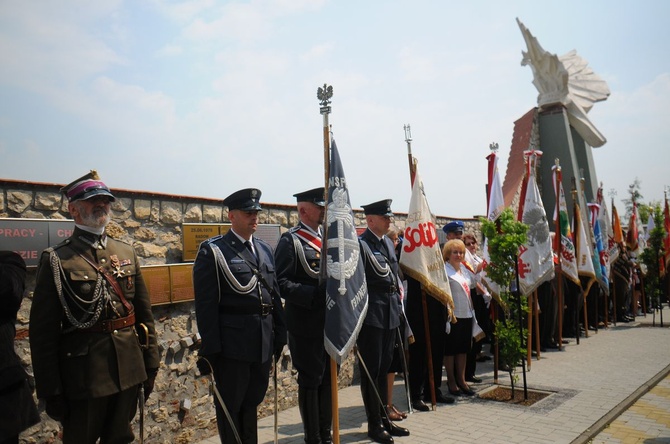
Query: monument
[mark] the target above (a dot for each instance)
(559, 126)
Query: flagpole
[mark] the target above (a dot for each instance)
(575, 241)
(324, 94)
(424, 303)
(559, 242)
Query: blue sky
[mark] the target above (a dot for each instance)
(203, 97)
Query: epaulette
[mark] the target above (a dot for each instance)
(56, 247)
(294, 229)
(211, 239)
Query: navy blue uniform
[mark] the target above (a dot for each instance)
(241, 324)
(298, 265)
(377, 336)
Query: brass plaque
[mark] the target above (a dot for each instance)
(157, 279)
(193, 235)
(181, 281)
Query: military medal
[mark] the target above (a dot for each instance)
(116, 265)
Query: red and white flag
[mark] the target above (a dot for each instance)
(495, 206)
(564, 235)
(421, 258)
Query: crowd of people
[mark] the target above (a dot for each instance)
(93, 340)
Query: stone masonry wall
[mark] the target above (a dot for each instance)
(180, 410)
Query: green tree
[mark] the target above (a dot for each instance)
(504, 236)
(651, 258)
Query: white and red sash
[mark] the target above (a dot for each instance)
(310, 238)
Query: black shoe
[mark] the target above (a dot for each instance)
(441, 399)
(379, 434)
(455, 392)
(466, 391)
(473, 379)
(395, 430)
(420, 406)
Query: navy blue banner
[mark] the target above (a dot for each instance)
(347, 292)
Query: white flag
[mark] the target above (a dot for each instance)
(421, 258)
(536, 261)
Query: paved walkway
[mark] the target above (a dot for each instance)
(613, 387)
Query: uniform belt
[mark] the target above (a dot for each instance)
(263, 310)
(109, 325)
(383, 289)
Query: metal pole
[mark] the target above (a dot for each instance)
(559, 240)
(324, 94)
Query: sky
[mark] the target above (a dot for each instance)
(204, 97)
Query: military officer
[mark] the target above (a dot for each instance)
(298, 257)
(90, 349)
(239, 315)
(376, 339)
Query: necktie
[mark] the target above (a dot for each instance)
(250, 248)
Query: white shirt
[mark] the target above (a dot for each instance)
(460, 284)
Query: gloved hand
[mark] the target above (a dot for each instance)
(56, 407)
(149, 383)
(206, 363)
(319, 297)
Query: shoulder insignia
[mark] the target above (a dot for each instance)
(294, 229)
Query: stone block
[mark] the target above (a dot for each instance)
(171, 213)
(47, 201)
(18, 201)
(193, 213)
(142, 209)
(211, 213)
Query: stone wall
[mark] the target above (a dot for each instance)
(180, 410)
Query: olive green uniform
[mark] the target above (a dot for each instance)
(96, 368)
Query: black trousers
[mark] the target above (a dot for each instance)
(107, 418)
(242, 386)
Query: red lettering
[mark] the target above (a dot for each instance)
(424, 235)
(18, 232)
(64, 233)
(28, 254)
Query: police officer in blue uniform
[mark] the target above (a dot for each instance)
(298, 257)
(376, 339)
(239, 314)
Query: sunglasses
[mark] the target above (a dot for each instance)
(467, 244)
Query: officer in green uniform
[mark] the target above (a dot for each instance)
(90, 324)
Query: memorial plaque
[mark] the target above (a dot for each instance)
(157, 278)
(193, 235)
(181, 282)
(29, 237)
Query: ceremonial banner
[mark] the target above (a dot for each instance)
(633, 234)
(601, 252)
(607, 232)
(495, 206)
(421, 258)
(536, 263)
(583, 251)
(616, 227)
(346, 289)
(666, 241)
(567, 256)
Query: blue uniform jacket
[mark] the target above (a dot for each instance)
(230, 319)
(383, 295)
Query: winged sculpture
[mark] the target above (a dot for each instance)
(566, 80)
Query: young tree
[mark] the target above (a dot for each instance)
(504, 236)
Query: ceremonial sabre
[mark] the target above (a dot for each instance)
(140, 394)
